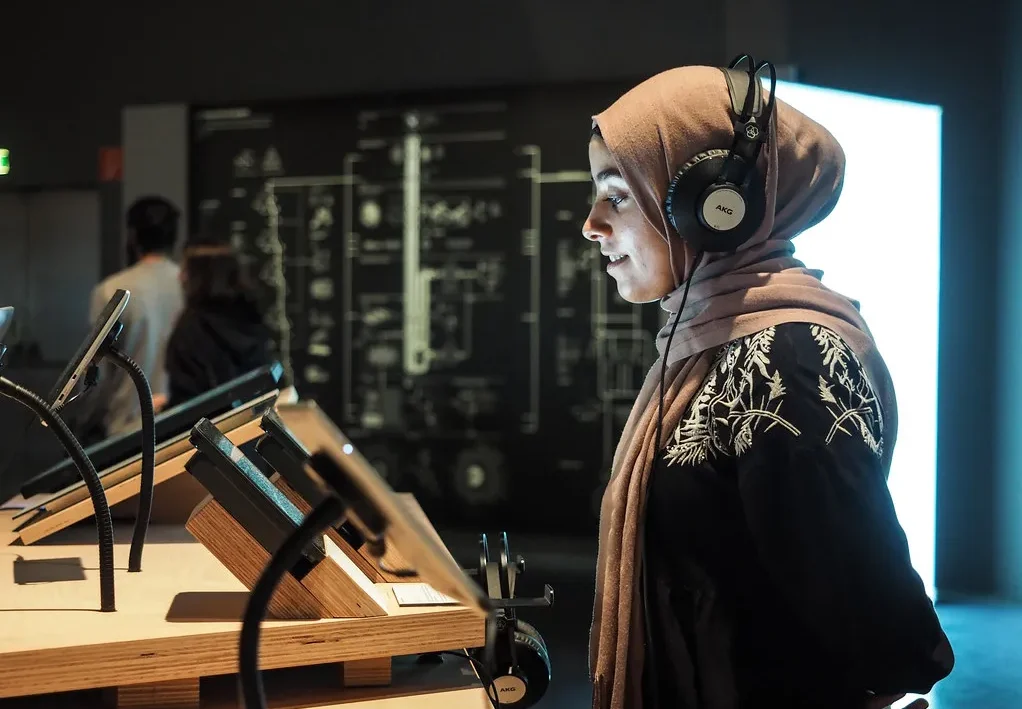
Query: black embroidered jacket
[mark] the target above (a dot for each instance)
(778, 574)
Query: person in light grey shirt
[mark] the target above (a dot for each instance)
(153, 308)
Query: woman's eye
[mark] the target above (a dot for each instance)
(615, 199)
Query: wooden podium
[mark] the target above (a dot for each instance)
(176, 629)
(178, 622)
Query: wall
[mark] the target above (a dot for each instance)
(156, 151)
(1008, 418)
(117, 53)
(120, 53)
(954, 59)
(50, 264)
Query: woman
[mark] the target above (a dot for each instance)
(220, 334)
(759, 562)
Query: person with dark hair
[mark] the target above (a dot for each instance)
(220, 334)
(153, 281)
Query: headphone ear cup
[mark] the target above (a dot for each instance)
(530, 683)
(694, 189)
(532, 639)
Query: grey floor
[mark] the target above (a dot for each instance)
(987, 638)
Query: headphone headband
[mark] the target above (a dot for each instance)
(738, 86)
(717, 199)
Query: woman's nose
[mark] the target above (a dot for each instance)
(595, 228)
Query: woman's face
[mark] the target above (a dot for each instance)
(636, 255)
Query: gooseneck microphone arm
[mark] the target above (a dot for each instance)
(75, 451)
(290, 552)
(145, 498)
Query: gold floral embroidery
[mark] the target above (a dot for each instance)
(743, 396)
(847, 394)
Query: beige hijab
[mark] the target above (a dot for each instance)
(651, 131)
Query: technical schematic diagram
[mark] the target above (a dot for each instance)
(441, 284)
(601, 347)
(298, 241)
(282, 231)
(428, 284)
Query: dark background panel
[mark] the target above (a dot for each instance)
(524, 361)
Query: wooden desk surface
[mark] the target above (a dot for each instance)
(178, 618)
(449, 686)
(7, 523)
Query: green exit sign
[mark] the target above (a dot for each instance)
(5, 161)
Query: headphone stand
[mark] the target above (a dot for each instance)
(515, 654)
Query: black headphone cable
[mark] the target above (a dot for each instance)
(650, 661)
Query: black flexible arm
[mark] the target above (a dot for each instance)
(74, 450)
(289, 553)
(145, 497)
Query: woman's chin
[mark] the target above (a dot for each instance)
(638, 295)
(629, 293)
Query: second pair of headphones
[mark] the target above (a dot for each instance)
(717, 200)
(516, 657)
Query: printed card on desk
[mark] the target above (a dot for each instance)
(420, 594)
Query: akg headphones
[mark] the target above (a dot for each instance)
(521, 672)
(515, 656)
(717, 200)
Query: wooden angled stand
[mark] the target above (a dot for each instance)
(122, 483)
(330, 586)
(352, 547)
(246, 518)
(287, 456)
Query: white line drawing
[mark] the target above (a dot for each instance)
(409, 290)
(407, 206)
(531, 248)
(272, 164)
(273, 273)
(417, 354)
